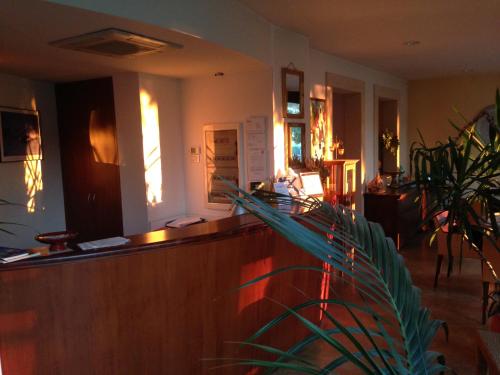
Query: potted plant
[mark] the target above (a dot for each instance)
(389, 141)
(461, 178)
(385, 331)
(5, 224)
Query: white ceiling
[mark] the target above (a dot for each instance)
(456, 35)
(26, 27)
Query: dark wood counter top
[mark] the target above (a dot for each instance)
(163, 238)
(399, 192)
(159, 305)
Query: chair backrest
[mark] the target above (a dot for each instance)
(493, 257)
(459, 246)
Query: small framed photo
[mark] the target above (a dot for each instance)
(311, 183)
(20, 138)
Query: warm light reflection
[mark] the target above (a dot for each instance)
(279, 139)
(329, 123)
(102, 139)
(398, 161)
(33, 181)
(18, 329)
(325, 287)
(256, 292)
(151, 148)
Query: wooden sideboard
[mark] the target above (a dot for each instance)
(159, 305)
(397, 212)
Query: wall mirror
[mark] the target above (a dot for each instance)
(292, 82)
(296, 145)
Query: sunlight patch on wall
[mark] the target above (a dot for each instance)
(151, 148)
(279, 140)
(398, 133)
(33, 181)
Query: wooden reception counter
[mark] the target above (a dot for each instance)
(159, 305)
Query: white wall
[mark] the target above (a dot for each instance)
(207, 100)
(166, 93)
(288, 47)
(225, 22)
(139, 216)
(48, 215)
(128, 125)
(232, 25)
(431, 103)
(321, 63)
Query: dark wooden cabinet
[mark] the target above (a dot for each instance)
(89, 158)
(396, 211)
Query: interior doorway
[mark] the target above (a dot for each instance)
(388, 136)
(346, 96)
(387, 131)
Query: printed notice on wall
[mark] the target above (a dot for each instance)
(256, 149)
(221, 160)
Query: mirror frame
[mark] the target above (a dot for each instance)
(284, 92)
(288, 144)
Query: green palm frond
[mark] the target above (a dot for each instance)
(391, 332)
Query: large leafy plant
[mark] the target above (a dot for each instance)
(387, 331)
(4, 225)
(462, 176)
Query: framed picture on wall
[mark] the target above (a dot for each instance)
(319, 131)
(222, 160)
(20, 138)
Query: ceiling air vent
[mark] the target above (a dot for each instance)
(115, 43)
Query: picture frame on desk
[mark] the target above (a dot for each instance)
(20, 138)
(311, 184)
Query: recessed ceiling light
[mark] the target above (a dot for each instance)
(411, 43)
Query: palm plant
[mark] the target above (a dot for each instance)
(387, 331)
(462, 177)
(5, 224)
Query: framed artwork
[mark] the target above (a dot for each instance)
(311, 183)
(222, 159)
(295, 145)
(319, 129)
(20, 138)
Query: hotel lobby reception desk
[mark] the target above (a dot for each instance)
(159, 305)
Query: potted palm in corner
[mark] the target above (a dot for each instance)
(461, 177)
(4, 224)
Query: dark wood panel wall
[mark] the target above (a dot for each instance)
(89, 158)
(150, 312)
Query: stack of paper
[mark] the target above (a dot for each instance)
(106, 242)
(8, 255)
(184, 222)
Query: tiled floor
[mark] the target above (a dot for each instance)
(457, 300)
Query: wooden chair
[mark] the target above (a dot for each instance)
(458, 245)
(493, 257)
